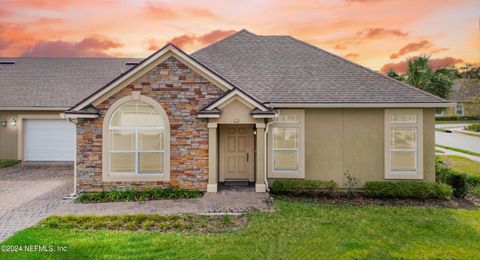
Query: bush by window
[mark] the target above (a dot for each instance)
(407, 189)
(303, 187)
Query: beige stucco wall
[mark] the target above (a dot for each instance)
(352, 139)
(10, 136)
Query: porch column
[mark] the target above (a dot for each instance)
(212, 158)
(260, 179)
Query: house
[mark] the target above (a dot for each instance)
(466, 99)
(247, 108)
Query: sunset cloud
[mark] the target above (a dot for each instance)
(183, 40)
(160, 11)
(88, 47)
(340, 47)
(351, 55)
(412, 47)
(401, 67)
(375, 33)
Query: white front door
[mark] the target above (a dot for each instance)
(49, 140)
(237, 153)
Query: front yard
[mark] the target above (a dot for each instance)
(462, 164)
(298, 229)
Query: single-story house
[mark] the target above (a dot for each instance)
(247, 108)
(466, 99)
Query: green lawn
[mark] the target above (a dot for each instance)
(462, 164)
(8, 163)
(457, 150)
(297, 230)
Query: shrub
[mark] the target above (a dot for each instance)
(458, 181)
(407, 189)
(137, 195)
(473, 127)
(455, 118)
(303, 187)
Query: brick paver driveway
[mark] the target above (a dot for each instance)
(29, 192)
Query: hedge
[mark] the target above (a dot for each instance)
(407, 189)
(460, 182)
(137, 195)
(454, 118)
(303, 187)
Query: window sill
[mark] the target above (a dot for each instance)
(286, 175)
(403, 176)
(136, 177)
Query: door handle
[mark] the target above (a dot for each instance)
(247, 157)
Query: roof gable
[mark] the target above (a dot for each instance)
(147, 64)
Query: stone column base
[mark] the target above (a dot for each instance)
(211, 187)
(260, 188)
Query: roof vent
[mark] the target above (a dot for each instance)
(132, 63)
(6, 62)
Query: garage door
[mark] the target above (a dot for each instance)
(49, 140)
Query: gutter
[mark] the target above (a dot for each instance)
(265, 149)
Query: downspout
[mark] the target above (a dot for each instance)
(74, 194)
(265, 148)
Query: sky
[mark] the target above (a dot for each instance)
(378, 34)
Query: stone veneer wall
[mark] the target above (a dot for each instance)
(181, 92)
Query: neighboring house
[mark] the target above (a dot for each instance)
(466, 97)
(251, 108)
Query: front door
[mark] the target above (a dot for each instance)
(236, 152)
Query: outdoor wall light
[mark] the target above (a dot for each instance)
(4, 123)
(14, 122)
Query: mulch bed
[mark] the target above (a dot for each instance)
(455, 203)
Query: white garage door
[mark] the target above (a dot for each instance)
(49, 140)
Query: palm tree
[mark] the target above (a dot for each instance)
(420, 75)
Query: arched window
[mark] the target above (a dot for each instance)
(137, 141)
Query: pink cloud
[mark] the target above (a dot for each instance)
(401, 67)
(381, 32)
(88, 47)
(412, 47)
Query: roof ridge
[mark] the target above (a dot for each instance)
(367, 69)
(228, 37)
(84, 58)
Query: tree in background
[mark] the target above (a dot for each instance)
(438, 82)
(468, 71)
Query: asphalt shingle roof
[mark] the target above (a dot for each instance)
(281, 69)
(273, 69)
(55, 82)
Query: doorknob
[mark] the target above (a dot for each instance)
(247, 157)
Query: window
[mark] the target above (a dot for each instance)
(403, 142)
(136, 141)
(285, 149)
(286, 145)
(459, 109)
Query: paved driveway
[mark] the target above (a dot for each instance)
(29, 192)
(457, 140)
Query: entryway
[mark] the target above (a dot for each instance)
(237, 153)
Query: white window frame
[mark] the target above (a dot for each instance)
(389, 126)
(136, 150)
(286, 149)
(109, 176)
(299, 124)
(461, 107)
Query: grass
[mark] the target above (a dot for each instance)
(8, 163)
(138, 195)
(297, 230)
(143, 222)
(458, 150)
(438, 151)
(462, 164)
